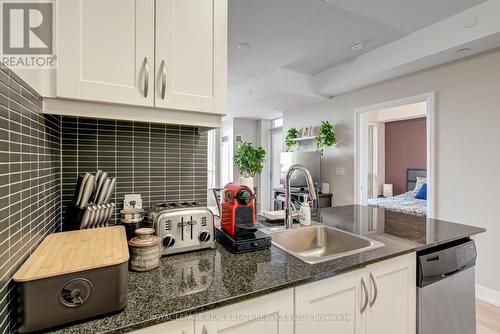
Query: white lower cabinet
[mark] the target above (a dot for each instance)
(270, 314)
(180, 326)
(378, 299)
(331, 305)
(392, 305)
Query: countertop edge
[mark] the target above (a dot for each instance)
(240, 298)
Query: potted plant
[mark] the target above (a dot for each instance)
(325, 136)
(290, 141)
(249, 161)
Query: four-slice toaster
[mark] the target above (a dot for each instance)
(182, 226)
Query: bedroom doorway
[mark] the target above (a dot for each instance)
(394, 147)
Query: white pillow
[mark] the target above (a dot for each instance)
(420, 183)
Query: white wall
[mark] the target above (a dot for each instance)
(467, 123)
(256, 132)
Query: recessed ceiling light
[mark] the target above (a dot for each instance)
(243, 46)
(463, 50)
(357, 45)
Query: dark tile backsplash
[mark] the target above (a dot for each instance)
(160, 162)
(41, 156)
(30, 182)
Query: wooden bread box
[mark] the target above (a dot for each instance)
(73, 276)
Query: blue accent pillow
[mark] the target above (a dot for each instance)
(422, 193)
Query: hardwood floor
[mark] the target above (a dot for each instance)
(487, 318)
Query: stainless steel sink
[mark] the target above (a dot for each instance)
(314, 244)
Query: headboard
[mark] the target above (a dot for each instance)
(411, 177)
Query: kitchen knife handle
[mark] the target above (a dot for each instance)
(146, 77)
(163, 79)
(375, 290)
(110, 190)
(365, 291)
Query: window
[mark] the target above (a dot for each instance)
(277, 123)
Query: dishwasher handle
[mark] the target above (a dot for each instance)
(448, 274)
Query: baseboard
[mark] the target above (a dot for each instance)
(488, 295)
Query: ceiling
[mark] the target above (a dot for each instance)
(309, 36)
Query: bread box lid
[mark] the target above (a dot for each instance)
(68, 252)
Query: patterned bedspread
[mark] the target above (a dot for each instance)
(405, 203)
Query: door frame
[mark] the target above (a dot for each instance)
(430, 100)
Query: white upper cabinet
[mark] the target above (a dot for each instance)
(169, 54)
(106, 51)
(191, 55)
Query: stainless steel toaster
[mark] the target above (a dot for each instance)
(183, 226)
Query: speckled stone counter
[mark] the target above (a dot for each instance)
(198, 281)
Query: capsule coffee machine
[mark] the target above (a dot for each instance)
(237, 230)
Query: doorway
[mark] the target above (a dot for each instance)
(276, 149)
(372, 176)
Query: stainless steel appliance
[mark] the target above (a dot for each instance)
(182, 226)
(310, 160)
(446, 290)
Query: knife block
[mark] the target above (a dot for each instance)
(73, 218)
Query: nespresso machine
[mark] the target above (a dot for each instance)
(238, 231)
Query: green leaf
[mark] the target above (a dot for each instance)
(248, 159)
(325, 137)
(290, 141)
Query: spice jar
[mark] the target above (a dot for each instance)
(144, 250)
(132, 220)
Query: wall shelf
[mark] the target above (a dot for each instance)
(305, 138)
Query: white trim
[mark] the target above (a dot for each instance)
(488, 295)
(101, 110)
(429, 98)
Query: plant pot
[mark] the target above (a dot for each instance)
(247, 181)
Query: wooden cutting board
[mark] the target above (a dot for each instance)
(73, 251)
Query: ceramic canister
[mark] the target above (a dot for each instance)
(144, 250)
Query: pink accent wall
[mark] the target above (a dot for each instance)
(405, 147)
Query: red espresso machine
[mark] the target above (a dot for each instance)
(238, 231)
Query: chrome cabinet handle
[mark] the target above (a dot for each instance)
(365, 290)
(375, 290)
(146, 77)
(163, 79)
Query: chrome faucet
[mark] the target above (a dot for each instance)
(310, 189)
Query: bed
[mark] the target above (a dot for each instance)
(406, 202)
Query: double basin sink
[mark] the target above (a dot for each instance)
(319, 243)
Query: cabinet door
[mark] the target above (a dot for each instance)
(106, 51)
(181, 326)
(191, 55)
(270, 314)
(331, 305)
(392, 310)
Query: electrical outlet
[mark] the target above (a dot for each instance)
(132, 201)
(340, 171)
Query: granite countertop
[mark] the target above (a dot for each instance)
(198, 281)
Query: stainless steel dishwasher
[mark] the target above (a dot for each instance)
(446, 290)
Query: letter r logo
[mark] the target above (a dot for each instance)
(27, 28)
